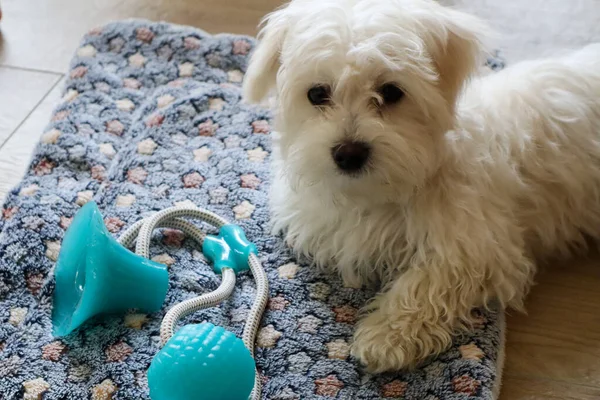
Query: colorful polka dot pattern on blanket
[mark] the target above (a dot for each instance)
(151, 117)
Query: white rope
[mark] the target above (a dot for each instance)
(172, 218)
(255, 314)
(187, 307)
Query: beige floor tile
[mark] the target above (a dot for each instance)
(20, 92)
(559, 338)
(17, 151)
(516, 388)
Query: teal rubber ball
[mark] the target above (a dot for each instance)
(202, 362)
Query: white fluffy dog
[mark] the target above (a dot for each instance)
(395, 162)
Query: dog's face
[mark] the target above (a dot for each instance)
(365, 90)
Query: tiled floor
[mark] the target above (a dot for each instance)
(552, 353)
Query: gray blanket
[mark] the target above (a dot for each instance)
(152, 117)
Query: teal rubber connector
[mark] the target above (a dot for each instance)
(229, 249)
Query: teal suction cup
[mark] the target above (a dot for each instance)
(96, 275)
(202, 362)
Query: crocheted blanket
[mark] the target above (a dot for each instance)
(151, 117)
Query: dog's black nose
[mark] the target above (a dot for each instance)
(350, 156)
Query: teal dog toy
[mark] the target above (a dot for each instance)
(97, 275)
(205, 360)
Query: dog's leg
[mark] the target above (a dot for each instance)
(419, 312)
(405, 324)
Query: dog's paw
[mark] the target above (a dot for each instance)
(390, 343)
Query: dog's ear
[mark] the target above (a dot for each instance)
(458, 48)
(264, 63)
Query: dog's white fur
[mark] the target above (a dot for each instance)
(471, 178)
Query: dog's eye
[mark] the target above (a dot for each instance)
(319, 95)
(391, 93)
